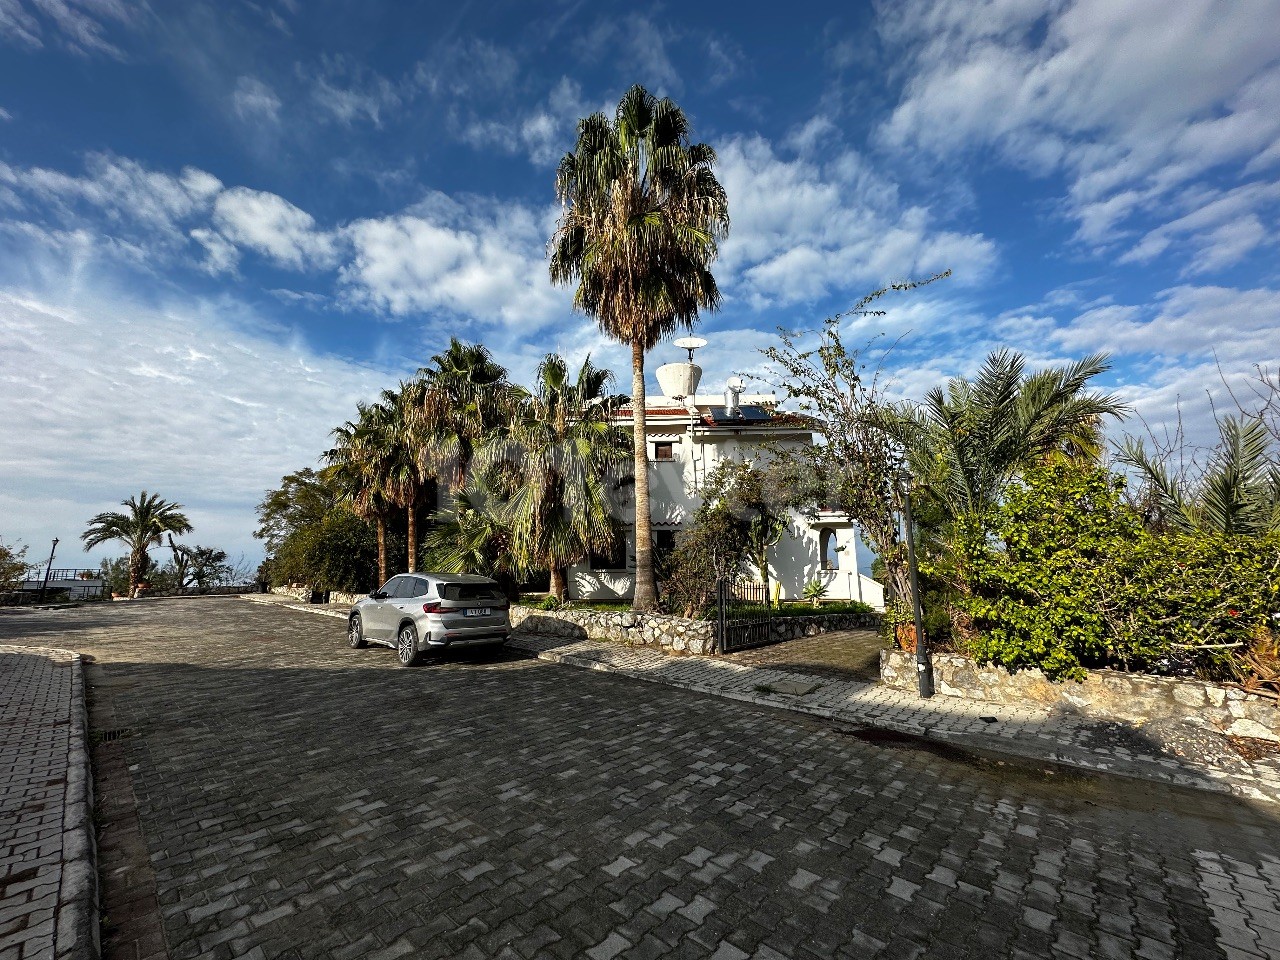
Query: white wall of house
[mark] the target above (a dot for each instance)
(674, 496)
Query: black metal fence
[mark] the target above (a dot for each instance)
(743, 615)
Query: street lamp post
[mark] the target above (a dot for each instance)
(924, 667)
(48, 567)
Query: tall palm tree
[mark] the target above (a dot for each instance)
(966, 443)
(354, 471)
(464, 397)
(394, 440)
(643, 214)
(1238, 494)
(556, 457)
(148, 519)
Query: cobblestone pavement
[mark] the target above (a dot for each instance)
(301, 799)
(47, 871)
(840, 654)
(1026, 730)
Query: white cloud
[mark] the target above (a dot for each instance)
(545, 132)
(273, 226)
(1195, 322)
(106, 396)
(1130, 100)
(144, 205)
(79, 25)
(465, 69)
(254, 100)
(824, 222)
(638, 47)
(485, 260)
(221, 255)
(349, 91)
(5, 115)
(1221, 228)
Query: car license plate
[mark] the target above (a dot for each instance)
(477, 612)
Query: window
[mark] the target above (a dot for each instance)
(665, 450)
(830, 552)
(400, 588)
(421, 588)
(614, 559)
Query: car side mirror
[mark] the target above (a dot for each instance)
(378, 595)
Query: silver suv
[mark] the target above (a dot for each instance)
(416, 612)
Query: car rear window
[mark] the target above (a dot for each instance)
(470, 591)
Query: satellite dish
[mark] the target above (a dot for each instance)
(689, 343)
(735, 384)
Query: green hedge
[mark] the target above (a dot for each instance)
(1064, 576)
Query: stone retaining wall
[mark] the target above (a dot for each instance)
(1105, 694)
(789, 628)
(304, 594)
(672, 634)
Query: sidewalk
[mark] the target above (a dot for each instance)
(48, 874)
(1029, 732)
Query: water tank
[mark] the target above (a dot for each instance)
(678, 379)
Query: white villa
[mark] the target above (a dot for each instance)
(688, 435)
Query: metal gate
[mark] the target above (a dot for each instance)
(743, 616)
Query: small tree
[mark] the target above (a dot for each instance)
(758, 497)
(13, 566)
(857, 468)
(713, 548)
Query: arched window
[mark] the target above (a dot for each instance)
(830, 552)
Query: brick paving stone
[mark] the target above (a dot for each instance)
(301, 799)
(47, 868)
(839, 654)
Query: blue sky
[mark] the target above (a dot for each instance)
(222, 223)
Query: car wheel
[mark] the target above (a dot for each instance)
(355, 633)
(407, 645)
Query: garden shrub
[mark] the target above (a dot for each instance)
(1064, 576)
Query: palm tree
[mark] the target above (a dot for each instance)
(393, 439)
(967, 443)
(472, 536)
(643, 214)
(354, 471)
(464, 397)
(148, 519)
(1238, 494)
(555, 458)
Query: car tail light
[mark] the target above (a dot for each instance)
(431, 608)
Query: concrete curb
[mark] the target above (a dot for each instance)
(76, 936)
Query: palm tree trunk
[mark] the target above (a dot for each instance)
(412, 517)
(559, 583)
(645, 597)
(381, 524)
(137, 564)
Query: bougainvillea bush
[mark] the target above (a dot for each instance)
(1063, 576)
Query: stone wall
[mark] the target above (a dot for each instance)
(672, 634)
(1105, 694)
(298, 593)
(789, 628)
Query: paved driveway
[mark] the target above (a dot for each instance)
(300, 799)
